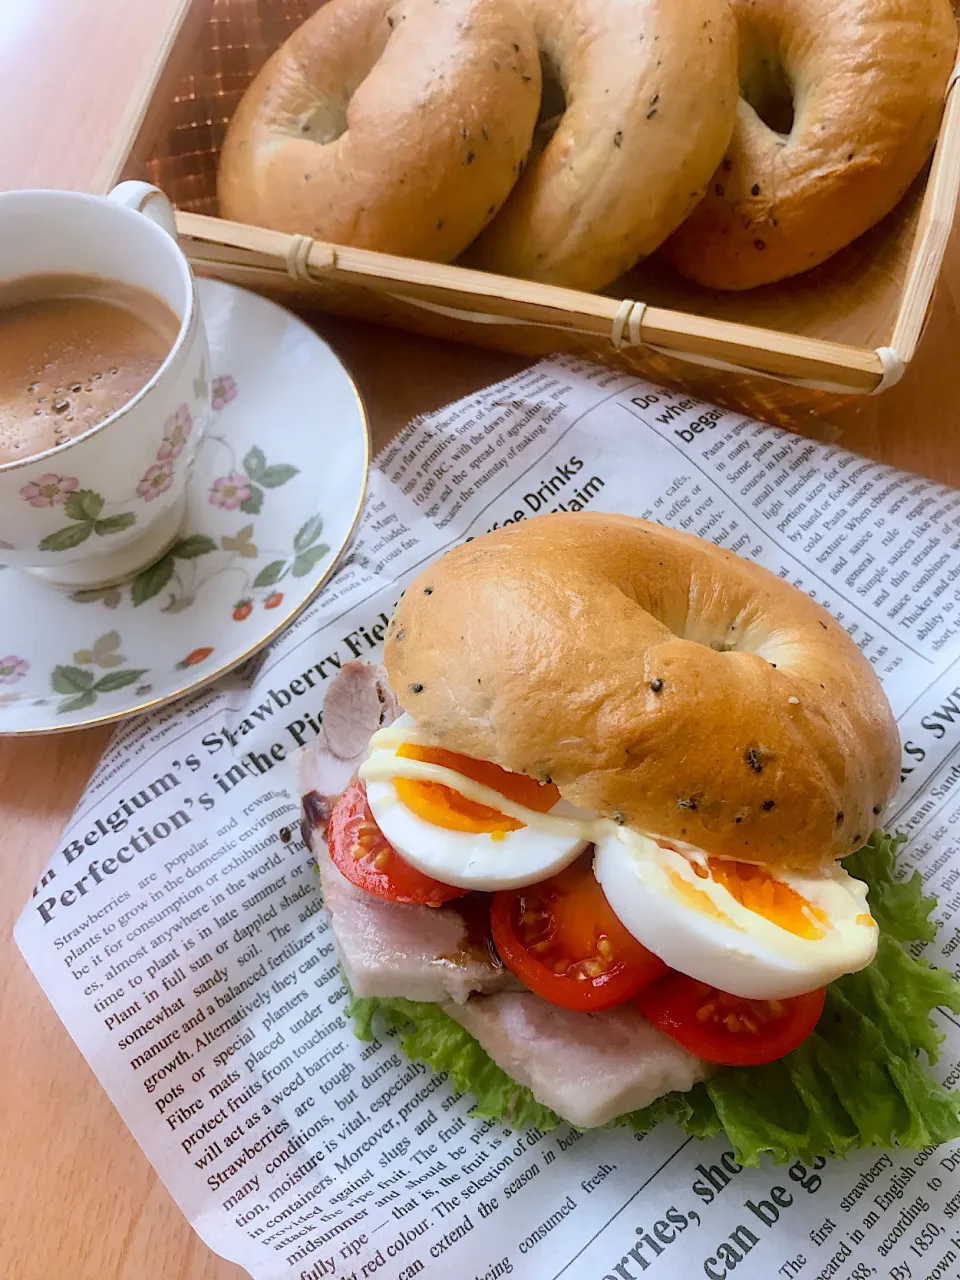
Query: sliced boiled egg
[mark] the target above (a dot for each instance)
(467, 822)
(744, 929)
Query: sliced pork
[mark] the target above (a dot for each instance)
(386, 948)
(587, 1067)
(358, 703)
(391, 949)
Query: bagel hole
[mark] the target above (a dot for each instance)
(765, 85)
(736, 637)
(553, 104)
(326, 122)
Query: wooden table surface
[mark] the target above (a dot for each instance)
(77, 1198)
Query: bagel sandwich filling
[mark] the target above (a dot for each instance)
(580, 910)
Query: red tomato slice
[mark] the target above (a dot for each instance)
(562, 939)
(729, 1029)
(361, 853)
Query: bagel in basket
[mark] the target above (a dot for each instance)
(655, 679)
(397, 126)
(841, 104)
(650, 95)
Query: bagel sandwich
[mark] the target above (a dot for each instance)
(602, 840)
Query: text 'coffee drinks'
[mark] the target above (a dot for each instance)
(73, 350)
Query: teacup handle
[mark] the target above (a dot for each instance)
(148, 200)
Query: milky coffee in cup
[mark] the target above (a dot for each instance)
(73, 350)
(86, 510)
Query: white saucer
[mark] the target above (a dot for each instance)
(273, 500)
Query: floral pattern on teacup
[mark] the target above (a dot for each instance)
(156, 479)
(85, 508)
(49, 490)
(194, 559)
(176, 432)
(222, 391)
(225, 561)
(13, 669)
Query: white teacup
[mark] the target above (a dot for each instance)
(65, 514)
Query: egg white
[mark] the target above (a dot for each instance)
(744, 954)
(468, 860)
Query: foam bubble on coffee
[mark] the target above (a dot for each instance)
(73, 350)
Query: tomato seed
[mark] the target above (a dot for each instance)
(605, 947)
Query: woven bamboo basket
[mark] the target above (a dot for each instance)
(812, 344)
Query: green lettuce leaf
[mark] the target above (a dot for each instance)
(897, 905)
(858, 1081)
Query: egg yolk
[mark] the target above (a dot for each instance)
(443, 807)
(759, 891)
(697, 898)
